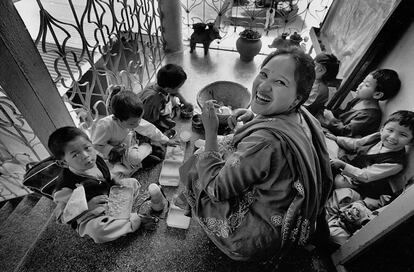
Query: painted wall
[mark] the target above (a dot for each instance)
(401, 59)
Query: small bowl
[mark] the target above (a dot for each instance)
(186, 112)
(197, 122)
(227, 93)
(170, 133)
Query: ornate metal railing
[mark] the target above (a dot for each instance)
(96, 43)
(18, 146)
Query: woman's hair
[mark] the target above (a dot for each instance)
(331, 64)
(125, 105)
(304, 71)
(404, 118)
(388, 82)
(171, 76)
(59, 139)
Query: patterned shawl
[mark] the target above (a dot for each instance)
(310, 163)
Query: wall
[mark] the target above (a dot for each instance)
(401, 59)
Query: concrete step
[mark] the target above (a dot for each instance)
(22, 228)
(7, 208)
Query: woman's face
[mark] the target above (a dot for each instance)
(274, 89)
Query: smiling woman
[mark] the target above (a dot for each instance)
(266, 195)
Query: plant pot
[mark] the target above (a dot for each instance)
(248, 48)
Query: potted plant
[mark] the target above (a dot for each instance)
(249, 44)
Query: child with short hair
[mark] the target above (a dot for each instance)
(74, 151)
(326, 70)
(114, 136)
(372, 160)
(158, 97)
(346, 213)
(362, 115)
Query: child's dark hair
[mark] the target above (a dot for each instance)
(331, 64)
(125, 105)
(171, 76)
(304, 70)
(61, 137)
(388, 82)
(404, 118)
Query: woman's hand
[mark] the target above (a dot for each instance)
(239, 115)
(331, 136)
(148, 222)
(337, 163)
(209, 117)
(97, 201)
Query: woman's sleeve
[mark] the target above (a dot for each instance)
(249, 164)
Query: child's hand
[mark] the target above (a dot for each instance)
(331, 136)
(148, 222)
(337, 163)
(97, 201)
(116, 154)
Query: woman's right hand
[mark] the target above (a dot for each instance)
(209, 117)
(239, 115)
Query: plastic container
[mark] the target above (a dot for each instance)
(177, 219)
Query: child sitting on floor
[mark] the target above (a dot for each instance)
(115, 136)
(362, 115)
(158, 97)
(372, 160)
(326, 69)
(346, 213)
(74, 151)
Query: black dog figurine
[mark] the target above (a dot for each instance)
(203, 35)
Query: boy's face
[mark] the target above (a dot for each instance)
(131, 122)
(395, 137)
(80, 154)
(366, 89)
(320, 70)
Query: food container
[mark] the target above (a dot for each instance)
(177, 219)
(186, 111)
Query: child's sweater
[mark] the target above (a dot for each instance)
(108, 133)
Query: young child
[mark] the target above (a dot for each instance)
(74, 151)
(326, 69)
(373, 159)
(346, 213)
(115, 135)
(158, 98)
(362, 115)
